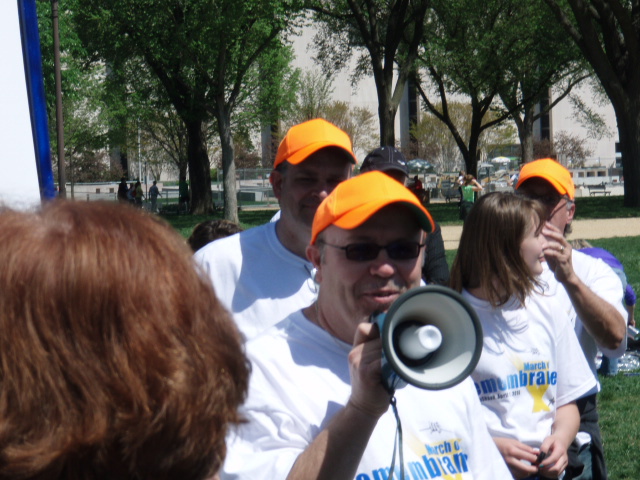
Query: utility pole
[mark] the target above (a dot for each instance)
(62, 177)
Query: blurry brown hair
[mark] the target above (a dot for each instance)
(210, 230)
(489, 249)
(116, 358)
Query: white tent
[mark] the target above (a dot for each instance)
(20, 139)
(501, 160)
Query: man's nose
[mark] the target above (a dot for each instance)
(382, 265)
(323, 189)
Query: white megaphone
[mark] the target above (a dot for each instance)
(431, 338)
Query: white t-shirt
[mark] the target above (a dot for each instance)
(605, 283)
(531, 364)
(300, 380)
(256, 278)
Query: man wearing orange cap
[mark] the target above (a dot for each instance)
(317, 407)
(392, 162)
(588, 290)
(262, 274)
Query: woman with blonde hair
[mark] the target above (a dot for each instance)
(102, 376)
(527, 377)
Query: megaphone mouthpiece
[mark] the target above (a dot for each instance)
(418, 341)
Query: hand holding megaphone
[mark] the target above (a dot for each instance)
(431, 338)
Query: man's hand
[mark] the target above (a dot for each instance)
(601, 319)
(558, 253)
(520, 458)
(365, 364)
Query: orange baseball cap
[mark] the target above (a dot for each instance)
(308, 137)
(354, 201)
(551, 171)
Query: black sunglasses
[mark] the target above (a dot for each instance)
(362, 252)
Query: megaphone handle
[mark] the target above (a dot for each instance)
(397, 443)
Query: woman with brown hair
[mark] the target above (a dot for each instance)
(468, 195)
(527, 377)
(102, 377)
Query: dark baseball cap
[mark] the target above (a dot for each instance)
(384, 159)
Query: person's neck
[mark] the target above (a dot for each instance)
(315, 315)
(293, 240)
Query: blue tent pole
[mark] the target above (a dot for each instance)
(35, 91)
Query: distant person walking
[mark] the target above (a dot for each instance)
(183, 194)
(122, 191)
(138, 194)
(131, 194)
(153, 195)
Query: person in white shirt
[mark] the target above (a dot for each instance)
(317, 407)
(262, 274)
(531, 371)
(587, 289)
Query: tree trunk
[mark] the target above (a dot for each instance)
(228, 165)
(199, 169)
(628, 120)
(471, 160)
(182, 171)
(387, 116)
(525, 133)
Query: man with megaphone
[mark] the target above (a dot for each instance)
(317, 406)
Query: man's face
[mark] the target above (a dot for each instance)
(351, 290)
(301, 188)
(560, 209)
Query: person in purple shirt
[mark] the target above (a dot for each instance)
(609, 366)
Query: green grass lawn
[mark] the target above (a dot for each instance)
(620, 396)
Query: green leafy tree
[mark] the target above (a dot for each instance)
(435, 142)
(203, 52)
(607, 33)
(313, 96)
(462, 48)
(314, 100)
(85, 109)
(504, 56)
(541, 61)
(387, 34)
(571, 149)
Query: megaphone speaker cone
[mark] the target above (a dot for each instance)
(431, 338)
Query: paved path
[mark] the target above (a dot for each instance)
(587, 229)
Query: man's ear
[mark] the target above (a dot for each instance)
(314, 255)
(276, 178)
(571, 213)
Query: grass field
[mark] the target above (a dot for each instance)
(620, 396)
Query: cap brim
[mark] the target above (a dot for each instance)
(390, 166)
